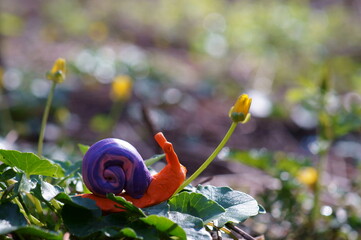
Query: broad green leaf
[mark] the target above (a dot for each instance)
(193, 226)
(165, 227)
(145, 231)
(24, 184)
(80, 221)
(34, 231)
(83, 148)
(196, 205)
(79, 202)
(46, 191)
(49, 191)
(155, 230)
(82, 217)
(69, 167)
(126, 204)
(10, 218)
(6, 172)
(238, 205)
(161, 209)
(83, 222)
(30, 163)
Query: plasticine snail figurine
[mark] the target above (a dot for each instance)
(113, 165)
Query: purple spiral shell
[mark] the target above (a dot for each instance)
(112, 165)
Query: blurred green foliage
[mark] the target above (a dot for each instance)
(178, 53)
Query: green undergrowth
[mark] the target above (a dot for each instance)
(39, 200)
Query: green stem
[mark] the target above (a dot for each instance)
(37, 204)
(23, 209)
(209, 159)
(115, 113)
(325, 134)
(45, 119)
(6, 114)
(154, 159)
(56, 205)
(315, 212)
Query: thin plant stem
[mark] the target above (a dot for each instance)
(154, 159)
(116, 111)
(325, 135)
(240, 231)
(23, 209)
(45, 119)
(8, 121)
(36, 203)
(210, 158)
(318, 188)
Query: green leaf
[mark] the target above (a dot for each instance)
(82, 217)
(165, 227)
(196, 205)
(30, 163)
(69, 167)
(83, 148)
(145, 231)
(80, 221)
(35, 231)
(46, 191)
(79, 202)
(83, 222)
(3, 167)
(6, 172)
(24, 184)
(262, 210)
(10, 218)
(128, 232)
(193, 226)
(238, 205)
(126, 204)
(49, 191)
(115, 233)
(161, 209)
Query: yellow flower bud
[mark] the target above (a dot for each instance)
(307, 176)
(121, 88)
(240, 111)
(57, 73)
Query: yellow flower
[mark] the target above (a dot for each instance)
(121, 88)
(57, 73)
(240, 111)
(307, 176)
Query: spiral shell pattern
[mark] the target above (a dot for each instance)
(111, 165)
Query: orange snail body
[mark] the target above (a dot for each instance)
(161, 187)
